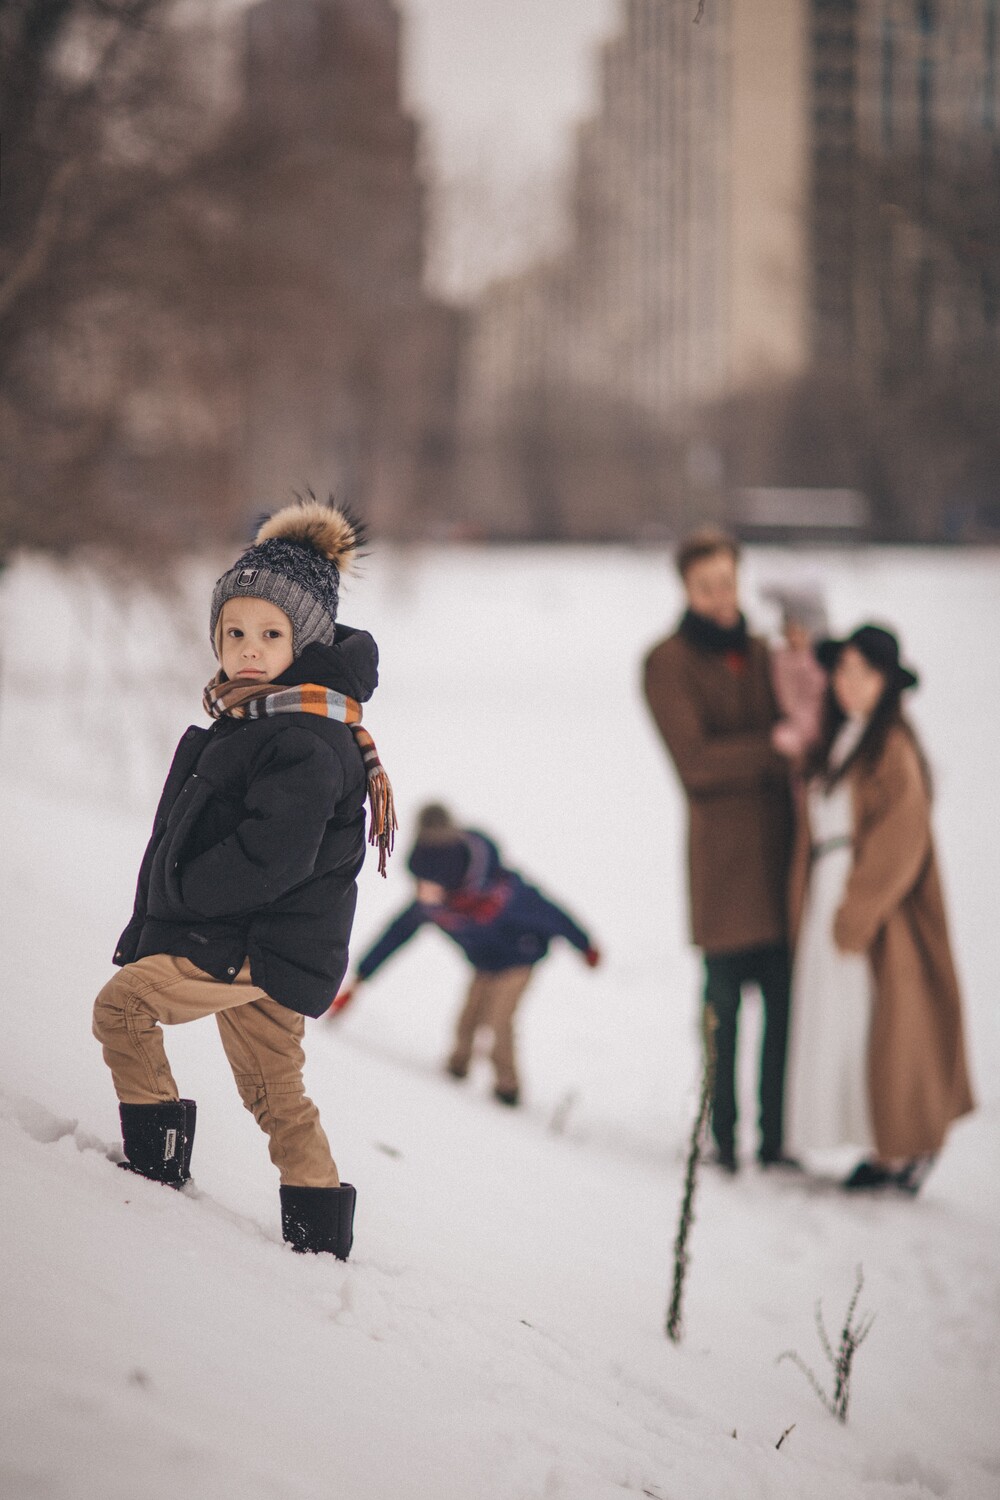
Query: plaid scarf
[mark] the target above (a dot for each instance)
(239, 699)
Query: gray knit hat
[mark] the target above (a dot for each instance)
(295, 562)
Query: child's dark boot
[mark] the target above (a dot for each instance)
(157, 1139)
(319, 1219)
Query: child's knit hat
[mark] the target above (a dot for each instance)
(800, 605)
(295, 562)
(443, 861)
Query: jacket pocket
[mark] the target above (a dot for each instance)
(165, 899)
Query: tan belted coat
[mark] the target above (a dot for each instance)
(893, 910)
(716, 724)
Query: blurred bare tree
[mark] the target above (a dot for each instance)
(910, 414)
(348, 365)
(928, 336)
(211, 263)
(108, 239)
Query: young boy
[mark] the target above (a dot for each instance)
(246, 892)
(502, 925)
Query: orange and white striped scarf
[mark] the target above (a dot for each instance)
(237, 698)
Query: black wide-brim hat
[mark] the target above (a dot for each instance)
(878, 646)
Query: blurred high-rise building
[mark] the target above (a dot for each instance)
(905, 109)
(684, 274)
(349, 365)
(905, 244)
(782, 269)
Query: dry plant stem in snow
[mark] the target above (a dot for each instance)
(852, 1336)
(673, 1329)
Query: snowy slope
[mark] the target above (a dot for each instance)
(498, 1331)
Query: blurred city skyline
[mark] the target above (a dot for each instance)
(548, 273)
(499, 93)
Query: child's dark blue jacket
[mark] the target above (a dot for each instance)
(258, 840)
(496, 918)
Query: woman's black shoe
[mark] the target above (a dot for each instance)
(868, 1175)
(913, 1176)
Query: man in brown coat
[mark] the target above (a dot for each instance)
(709, 690)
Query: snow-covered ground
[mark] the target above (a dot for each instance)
(498, 1332)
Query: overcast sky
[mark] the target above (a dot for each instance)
(499, 85)
(486, 69)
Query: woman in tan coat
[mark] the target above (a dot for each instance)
(877, 1058)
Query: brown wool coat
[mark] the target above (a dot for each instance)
(716, 725)
(893, 910)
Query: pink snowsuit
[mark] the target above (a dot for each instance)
(799, 686)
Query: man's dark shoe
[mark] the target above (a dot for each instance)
(724, 1158)
(779, 1162)
(511, 1097)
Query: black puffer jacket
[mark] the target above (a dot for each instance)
(258, 840)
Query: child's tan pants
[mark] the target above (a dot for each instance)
(262, 1040)
(491, 1002)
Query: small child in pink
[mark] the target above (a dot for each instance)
(799, 680)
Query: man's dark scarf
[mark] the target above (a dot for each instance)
(718, 640)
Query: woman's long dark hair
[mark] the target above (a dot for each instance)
(887, 715)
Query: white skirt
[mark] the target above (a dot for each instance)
(826, 1091)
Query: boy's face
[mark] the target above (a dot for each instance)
(256, 640)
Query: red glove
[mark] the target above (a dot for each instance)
(592, 958)
(344, 998)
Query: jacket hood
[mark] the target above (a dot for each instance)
(349, 666)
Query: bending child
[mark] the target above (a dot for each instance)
(246, 891)
(503, 926)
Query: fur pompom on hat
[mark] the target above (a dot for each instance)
(295, 562)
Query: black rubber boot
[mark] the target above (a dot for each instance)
(158, 1138)
(319, 1219)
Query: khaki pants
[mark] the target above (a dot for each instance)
(262, 1040)
(491, 1003)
